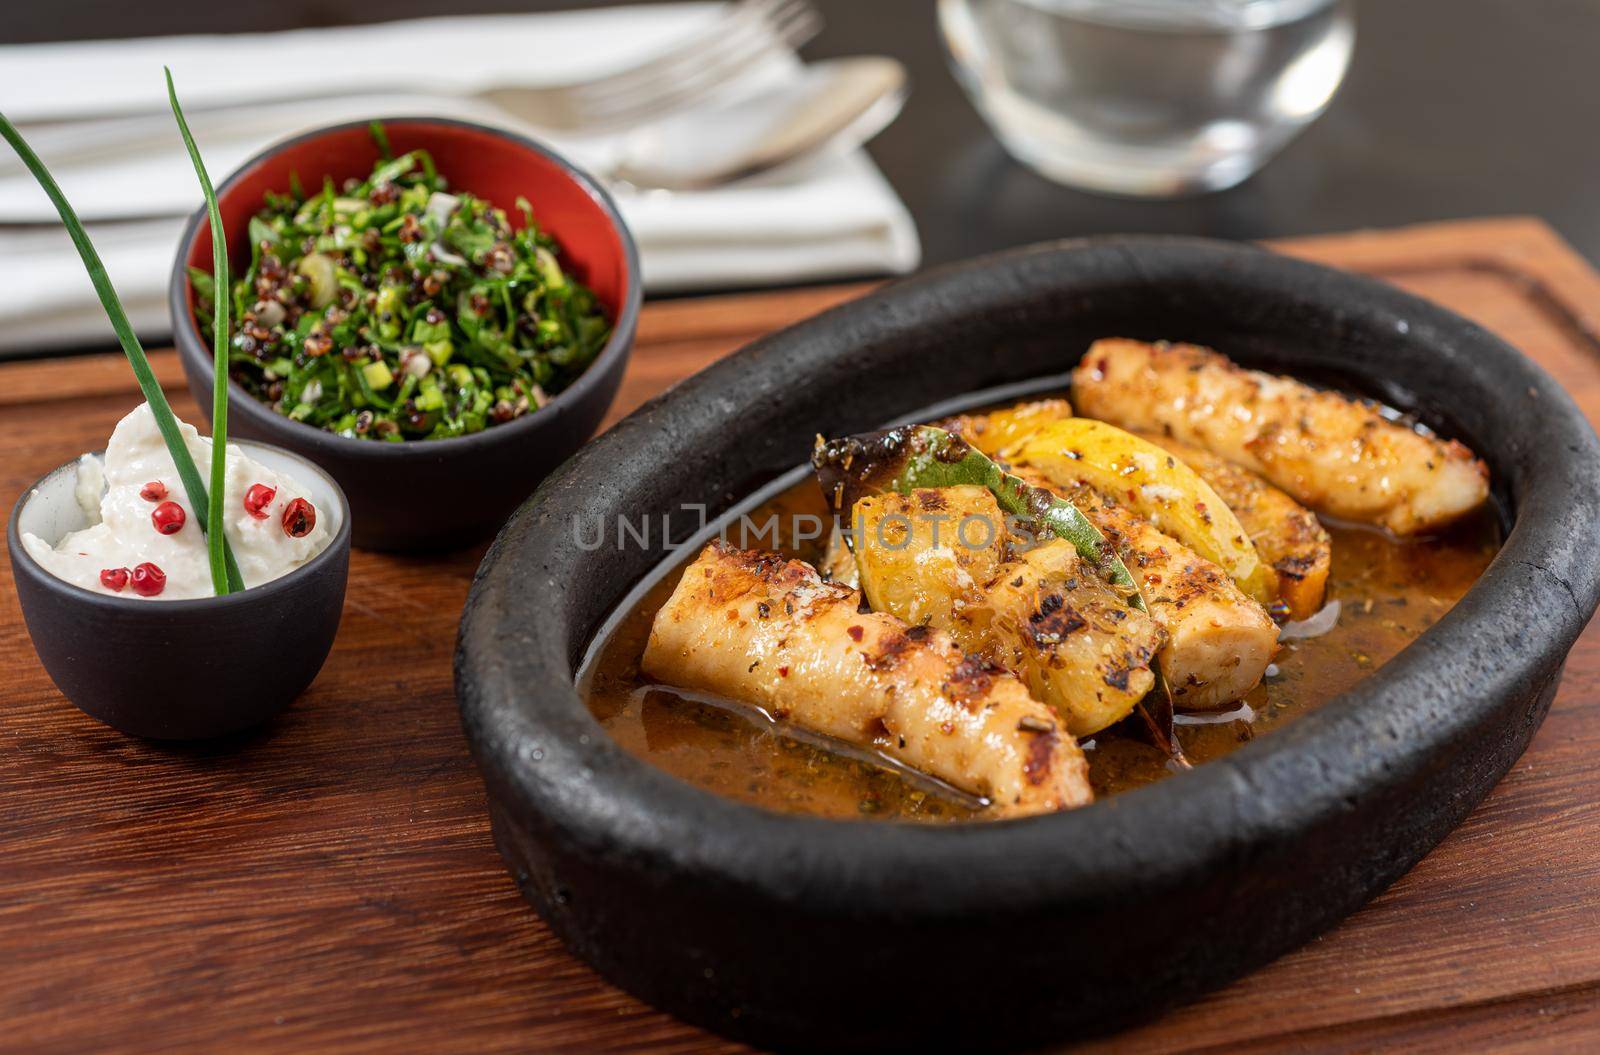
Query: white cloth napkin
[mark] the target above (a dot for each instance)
(835, 216)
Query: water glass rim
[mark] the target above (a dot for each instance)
(1190, 15)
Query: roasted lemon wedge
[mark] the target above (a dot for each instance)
(1151, 483)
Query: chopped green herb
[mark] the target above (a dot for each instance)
(396, 309)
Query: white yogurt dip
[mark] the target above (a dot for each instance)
(122, 534)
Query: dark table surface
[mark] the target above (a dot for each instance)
(1452, 108)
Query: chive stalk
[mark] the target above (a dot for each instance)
(166, 421)
(220, 325)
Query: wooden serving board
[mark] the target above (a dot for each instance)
(329, 884)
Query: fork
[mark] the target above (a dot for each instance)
(744, 33)
(749, 31)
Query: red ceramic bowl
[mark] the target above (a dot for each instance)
(431, 494)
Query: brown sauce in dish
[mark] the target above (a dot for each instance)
(1389, 591)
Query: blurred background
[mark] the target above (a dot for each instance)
(1450, 108)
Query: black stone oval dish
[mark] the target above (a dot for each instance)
(187, 669)
(842, 935)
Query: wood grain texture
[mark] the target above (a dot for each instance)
(329, 884)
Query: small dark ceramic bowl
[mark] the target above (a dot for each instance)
(854, 935)
(189, 669)
(431, 494)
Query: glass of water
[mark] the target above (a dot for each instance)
(1153, 98)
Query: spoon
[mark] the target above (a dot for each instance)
(835, 106)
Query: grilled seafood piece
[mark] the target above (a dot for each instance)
(1219, 641)
(1046, 617)
(1286, 534)
(1068, 635)
(1333, 453)
(768, 631)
